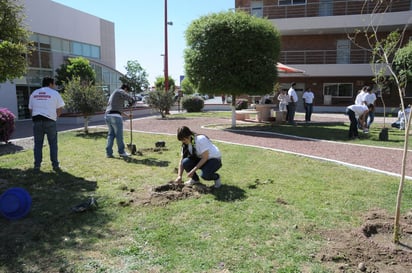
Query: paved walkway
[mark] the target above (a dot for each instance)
(384, 160)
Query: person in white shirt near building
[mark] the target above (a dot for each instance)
(45, 106)
(308, 98)
(198, 152)
(293, 99)
(370, 99)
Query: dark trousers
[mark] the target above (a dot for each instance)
(291, 112)
(353, 128)
(208, 169)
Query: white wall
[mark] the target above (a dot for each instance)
(50, 18)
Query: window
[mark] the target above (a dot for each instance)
(291, 2)
(257, 8)
(343, 52)
(338, 89)
(326, 8)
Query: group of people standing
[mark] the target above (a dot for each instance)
(288, 102)
(362, 113)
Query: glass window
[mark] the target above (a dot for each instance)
(56, 44)
(95, 52)
(343, 52)
(338, 89)
(45, 58)
(291, 2)
(257, 8)
(65, 46)
(86, 50)
(76, 48)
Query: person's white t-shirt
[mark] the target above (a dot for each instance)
(204, 144)
(44, 101)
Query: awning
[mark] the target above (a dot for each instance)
(282, 68)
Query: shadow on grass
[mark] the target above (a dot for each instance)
(229, 193)
(38, 242)
(10, 148)
(92, 135)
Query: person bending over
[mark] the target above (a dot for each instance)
(198, 152)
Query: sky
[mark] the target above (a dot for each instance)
(139, 29)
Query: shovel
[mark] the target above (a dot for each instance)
(131, 147)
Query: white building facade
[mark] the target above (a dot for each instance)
(60, 32)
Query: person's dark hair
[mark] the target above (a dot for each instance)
(293, 84)
(184, 132)
(47, 81)
(125, 87)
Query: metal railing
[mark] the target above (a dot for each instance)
(327, 8)
(355, 56)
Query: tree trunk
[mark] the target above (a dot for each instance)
(401, 183)
(86, 124)
(233, 111)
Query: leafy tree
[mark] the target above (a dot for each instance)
(136, 77)
(402, 65)
(161, 100)
(233, 53)
(84, 98)
(188, 87)
(14, 41)
(78, 67)
(160, 84)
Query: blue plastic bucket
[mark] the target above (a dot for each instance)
(15, 203)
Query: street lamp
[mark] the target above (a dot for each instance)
(166, 64)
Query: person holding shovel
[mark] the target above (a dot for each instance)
(198, 152)
(114, 120)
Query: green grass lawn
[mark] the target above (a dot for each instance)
(265, 218)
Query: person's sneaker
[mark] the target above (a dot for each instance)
(57, 169)
(192, 182)
(36, 169)
(124, 154)
(109, 156)
(218, 183)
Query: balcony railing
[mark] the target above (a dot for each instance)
(332, 8)
(355, 56)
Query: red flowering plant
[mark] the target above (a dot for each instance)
(6, 124)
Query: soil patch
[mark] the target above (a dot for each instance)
(164, 194)
(370, 248)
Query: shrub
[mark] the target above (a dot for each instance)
(161, 101)
(241, 104)
(193, 104)
(6, 124)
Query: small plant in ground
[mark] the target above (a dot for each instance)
(193, 104)
(6, 124)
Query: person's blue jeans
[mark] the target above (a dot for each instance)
(308, 111)
(208, 169)
(371, 118)
(115, 125)
(48, 128)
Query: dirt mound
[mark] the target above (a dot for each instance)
(370, 248)
(166, 193)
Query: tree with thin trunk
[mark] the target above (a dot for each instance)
(383, 51)
(85, 98)
(232, 53)
(135, 77)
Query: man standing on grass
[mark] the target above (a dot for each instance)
(45, 105)
(293, 99)
(114, 120)
(308, 97)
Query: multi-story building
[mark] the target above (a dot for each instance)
(60, 32)
(315, 38)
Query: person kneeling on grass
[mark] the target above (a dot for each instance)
(198, 152)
